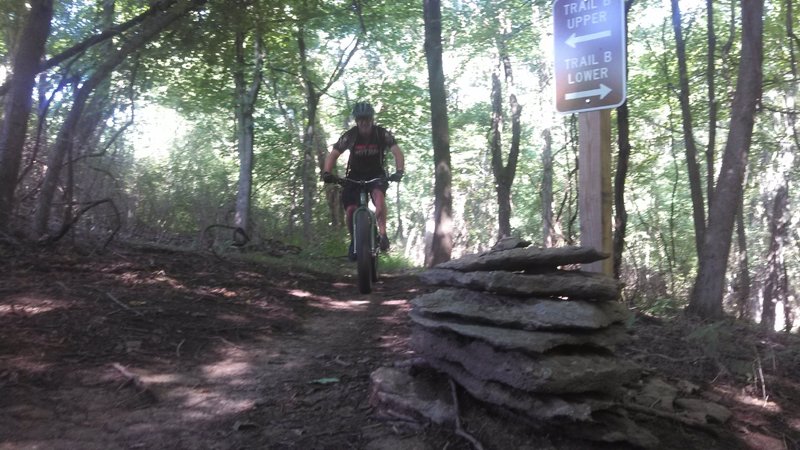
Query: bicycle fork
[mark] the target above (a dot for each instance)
(363, 209)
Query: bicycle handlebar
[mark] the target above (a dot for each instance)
(361, 182)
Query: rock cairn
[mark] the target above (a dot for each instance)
(514, 330)
(537, 342)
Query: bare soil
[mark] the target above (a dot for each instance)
(152, 348)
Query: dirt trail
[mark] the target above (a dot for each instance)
(150, 349)
(153, 349)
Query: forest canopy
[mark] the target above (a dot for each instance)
(154, 121)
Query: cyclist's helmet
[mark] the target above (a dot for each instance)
(363, 109)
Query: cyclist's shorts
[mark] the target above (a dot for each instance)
(350, 192)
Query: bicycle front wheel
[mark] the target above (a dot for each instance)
(364, 254)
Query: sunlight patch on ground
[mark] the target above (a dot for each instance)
(346, 305)
(162, 378)
(328, 303)
(203, 405)
(26, 365)
(30, 306)
(301, 294)
(749, 400)
(394, 302)
(227, 369)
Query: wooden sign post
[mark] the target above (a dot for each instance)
(594, 186)
(589, 38)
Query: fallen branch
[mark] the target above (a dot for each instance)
(670, 358)
(674, 417)
(114, 299)
(459, 429)
(136, 381)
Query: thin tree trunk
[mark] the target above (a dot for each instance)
(503, 175)
(620, 213)
(713, 104)
(775, 287)
(623, 158)
(66, 135)
(313, 96)
(695, 184)
(245, 127)
(743, 267)
(308, 166)
(546, 193)
(18, 103)
(442, 245)
(706, 298)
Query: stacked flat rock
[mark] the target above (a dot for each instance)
(514, 330)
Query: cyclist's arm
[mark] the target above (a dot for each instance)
(399, 161)
(330, 160)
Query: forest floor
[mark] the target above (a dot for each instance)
(152, 348)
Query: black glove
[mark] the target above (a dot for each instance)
(397, 176)
(328, 177)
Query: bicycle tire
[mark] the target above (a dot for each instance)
(364, 252)
(374, 268)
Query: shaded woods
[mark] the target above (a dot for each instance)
(191, 125)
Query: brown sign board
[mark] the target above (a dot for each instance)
(589, 54)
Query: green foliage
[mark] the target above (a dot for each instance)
(189, 68)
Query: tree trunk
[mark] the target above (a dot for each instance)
(502, 175)
(775, 287)
(18, 103)
(313, 96)
(546, 193)
(442, 245)
(245, 128)
(623, 158)
(743, 282)
(706, 298)
(713, 104)
(66, 135)
(620, 213)
(695, 185)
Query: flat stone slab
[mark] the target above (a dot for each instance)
(536, 406)
(569, 284)
(547, 374)
(462, 305)
(528, 259)
(396, 394)
(523, 340)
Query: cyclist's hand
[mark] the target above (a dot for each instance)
(397, 176)
(328, 177)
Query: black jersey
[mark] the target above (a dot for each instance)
(366, 152)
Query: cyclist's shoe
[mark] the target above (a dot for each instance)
(384, 243)
(351, 254)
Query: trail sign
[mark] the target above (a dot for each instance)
(589, 54)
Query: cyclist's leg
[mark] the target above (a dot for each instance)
(379, 200)
(350, 195)
(350, 203)
(350, 209)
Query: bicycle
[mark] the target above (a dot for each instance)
(366, 239)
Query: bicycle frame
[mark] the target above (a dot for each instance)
(365, 241)
(363, 207)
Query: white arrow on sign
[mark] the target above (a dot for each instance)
(602, 91)
(573, 39)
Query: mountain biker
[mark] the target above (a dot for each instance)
(367, 143)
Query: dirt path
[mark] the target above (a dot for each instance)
(151, 349)
(171, 350)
